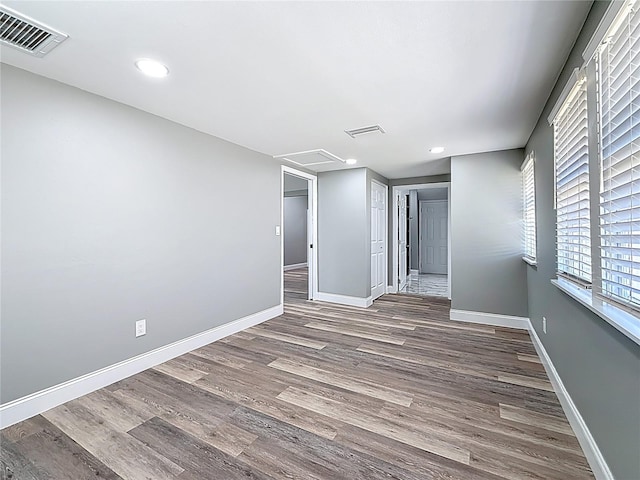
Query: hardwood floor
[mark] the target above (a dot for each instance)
(396, 391)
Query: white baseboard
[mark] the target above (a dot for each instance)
(36, 403)
(412, 271)
(294, 266)
(343, 299)
(494, 319)
(589, 446)
(391, 289)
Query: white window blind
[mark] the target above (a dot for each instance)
(619, 128)
(571, 151)
(529, 207)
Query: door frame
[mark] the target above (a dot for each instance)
(407, 239)
(393, 288)
(386, 236)
(420, 203)
(312, 233)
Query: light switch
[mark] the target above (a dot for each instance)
(277, 229)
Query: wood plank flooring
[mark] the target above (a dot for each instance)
(396, 391)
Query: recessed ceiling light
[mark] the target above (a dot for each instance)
(152, 68)
(437, 150)
(351, 161)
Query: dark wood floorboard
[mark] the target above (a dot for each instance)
(396, 391)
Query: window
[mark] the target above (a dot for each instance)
(619, 132)
(529, 208)
(571, 152)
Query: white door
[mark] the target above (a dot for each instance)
(402, 241)
(378, 240)
(433, 237)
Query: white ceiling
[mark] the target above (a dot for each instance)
(281, 77)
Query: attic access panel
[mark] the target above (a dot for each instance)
(311, 158)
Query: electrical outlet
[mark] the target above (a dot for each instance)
(544, 324)
(141, 327)
(277, 229)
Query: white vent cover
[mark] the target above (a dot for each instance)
(364, 130)
(311, 157)
(27, 35)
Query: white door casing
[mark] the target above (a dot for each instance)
(312, 228)
(402, 241)
(378, 240)
(434, 253)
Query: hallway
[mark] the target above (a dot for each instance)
(396, 391)
(427, 285)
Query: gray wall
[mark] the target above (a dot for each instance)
(487, 271)
(294, 184)
(110, 215)
(294, 230)
(413, 230)
(343, 233)
(394, 182)
(426, 194)
(599, 366)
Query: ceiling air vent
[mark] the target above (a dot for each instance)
(27, 35)
(363, 130)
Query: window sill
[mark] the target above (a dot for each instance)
(533, 263)
(623, 321)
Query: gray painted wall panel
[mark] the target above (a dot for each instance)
(487, 271)
(343, 233)
(598, 365)
(110, 215)
(294, 230)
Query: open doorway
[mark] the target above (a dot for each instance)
(298, 233)
(421, 257)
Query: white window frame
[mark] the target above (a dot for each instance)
(621, 315)
(571, 183)
(619, 162)
(529, 209)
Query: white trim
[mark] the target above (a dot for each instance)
(521, 323)
(530, 261)
(530, 157)
(571, 83)
(414, 271)
(312, 253)
(395, 225)
(449, 242)
(386, 236)
(36, 403)
(390, 289)
(625, 322)
(329, 156)
(589, 446)
(294, 266)
(607, 20)
(344, 299)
